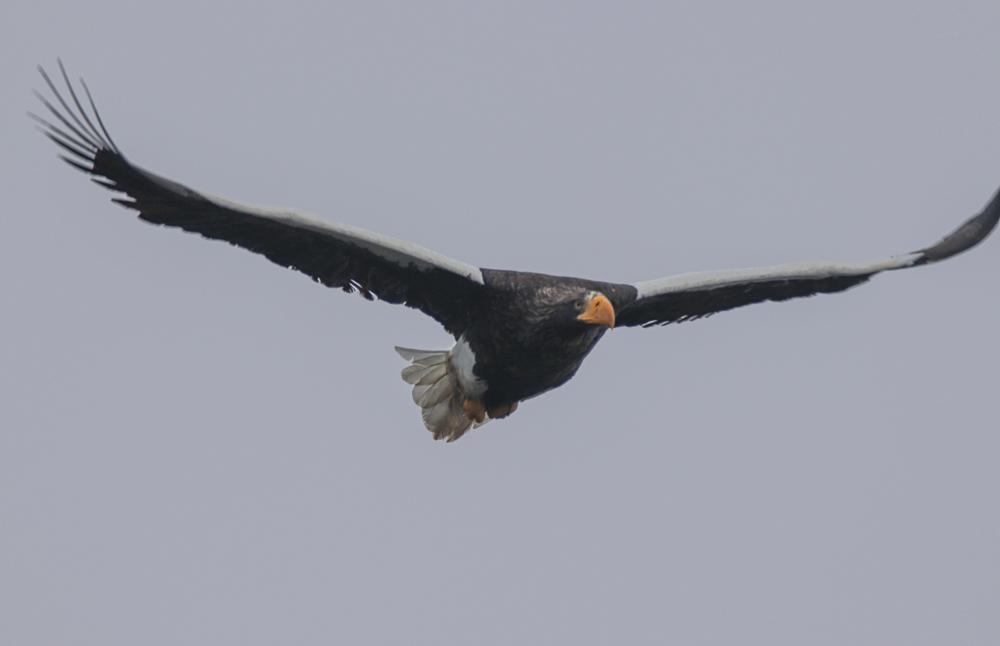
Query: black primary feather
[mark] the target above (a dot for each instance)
(328, 259)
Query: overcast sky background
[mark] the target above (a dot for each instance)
(198, 447)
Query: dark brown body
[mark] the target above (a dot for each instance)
(525, 340)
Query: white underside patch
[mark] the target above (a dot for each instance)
(463, 360)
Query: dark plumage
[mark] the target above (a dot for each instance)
(528, 338)
(517, 334)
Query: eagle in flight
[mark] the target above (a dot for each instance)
(517, 334)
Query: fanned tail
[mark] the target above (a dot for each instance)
(437, 391)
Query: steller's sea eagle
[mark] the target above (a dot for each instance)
(517, 334)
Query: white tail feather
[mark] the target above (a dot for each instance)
(423, 357)
(418, 374)
(427, 395)
(437, 391)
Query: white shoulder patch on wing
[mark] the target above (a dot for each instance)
(399, 252)
(797, 271)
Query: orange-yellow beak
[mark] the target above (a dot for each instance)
(599, 311)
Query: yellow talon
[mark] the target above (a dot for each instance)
(499, 412)
(474, 410)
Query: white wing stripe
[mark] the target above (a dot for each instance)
(972, 232)
(797, 271)
(399, 252)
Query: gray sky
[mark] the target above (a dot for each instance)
(200, 448)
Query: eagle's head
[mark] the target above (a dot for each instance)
(592, 308)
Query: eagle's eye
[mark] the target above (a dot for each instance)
(578, 305)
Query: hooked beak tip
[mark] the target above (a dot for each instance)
(599, 311)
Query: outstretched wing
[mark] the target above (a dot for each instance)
(336, 255)
(691, 296)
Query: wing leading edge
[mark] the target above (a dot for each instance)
(335, 255)
(691, 296)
